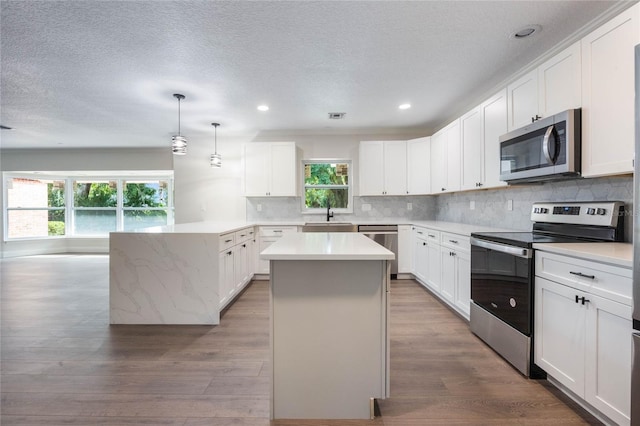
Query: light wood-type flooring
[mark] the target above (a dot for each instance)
(62, 364)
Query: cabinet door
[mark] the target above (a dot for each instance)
(472, 149)
(434, 278)
(371, 164)
(240, 260)
(522, 100)
(494, 125)
(256, 169)
(608, 358)
(608, 96)
(453, 156)
(404, 249)
(263, 265)
(438, 162)
(421, 262)
(395, 168)
(560, 82)
(463, 281)
(223, 296)
(283, 169)
(418, 166)
(560, 333)
(448, 283)
(227, 276)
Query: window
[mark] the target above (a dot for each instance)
(72, 206)
(35, 207)
(327, 182)
(145, 204)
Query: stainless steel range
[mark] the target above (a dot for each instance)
(502, 272)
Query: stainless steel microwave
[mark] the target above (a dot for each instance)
(547, 149)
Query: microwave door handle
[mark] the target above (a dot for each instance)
(545, 145)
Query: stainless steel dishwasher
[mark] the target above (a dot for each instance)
(386, 236)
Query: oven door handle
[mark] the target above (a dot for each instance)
(524, 253)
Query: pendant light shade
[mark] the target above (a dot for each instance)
(216, 159)
(179, 142)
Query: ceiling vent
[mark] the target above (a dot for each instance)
(337, 115)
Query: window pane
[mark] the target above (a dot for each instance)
(326, 174)
(35, 223)
(317, 198)
(135, 219)
(23, 192)
(94, 222)
(145, 194)
(95, 194)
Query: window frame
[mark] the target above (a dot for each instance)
(69, 179)
(348, 187)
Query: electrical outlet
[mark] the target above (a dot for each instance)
(472, 205)
(510, 205)
(259, 207)
(366, 207)
(409, 206)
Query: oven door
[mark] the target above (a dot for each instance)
(502, 282)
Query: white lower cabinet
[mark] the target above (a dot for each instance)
(267, 236)
(235, 264)
(442, 263)
(583, 340)
(405, 259)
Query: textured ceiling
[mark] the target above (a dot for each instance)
(102, 73)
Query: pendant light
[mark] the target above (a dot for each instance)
(179, 142)
(216, 159)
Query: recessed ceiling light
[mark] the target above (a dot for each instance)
(404, 106)
(527, 31)
(263, 108)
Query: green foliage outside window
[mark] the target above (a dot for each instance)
(326, 183)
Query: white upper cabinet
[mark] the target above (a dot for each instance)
(383, 168)
(494, 125)
(270, 169)
(471, 135)
(418, 166)
(523, 100)
(559, 82)
(438, 162)
(608, 96)
(552, 87)
(445, 159)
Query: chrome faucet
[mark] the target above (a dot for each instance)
(329, 213)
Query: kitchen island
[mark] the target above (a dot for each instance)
(329, 325)
(178, 274)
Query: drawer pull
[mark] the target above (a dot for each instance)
(420, 232)
(277, 230)
(453, 241)
(432, 236)
(227, 241)
(582, 299)
(580, 274)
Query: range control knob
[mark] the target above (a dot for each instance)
(591, 211)
(544, 210)
(536, 209)
(601, 212)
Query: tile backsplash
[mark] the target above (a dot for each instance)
(490, 206)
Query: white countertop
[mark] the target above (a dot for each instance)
(192, 228)
(620, 254)
(326, 246)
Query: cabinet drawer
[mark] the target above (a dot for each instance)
(227, 241)
(243, 235)
(427, 234)
(276, 231)
(457, 241)
(611, 282)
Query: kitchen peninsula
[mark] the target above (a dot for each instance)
(329, 320)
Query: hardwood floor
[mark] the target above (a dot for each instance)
(62, 364)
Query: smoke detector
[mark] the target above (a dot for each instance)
(337, 115)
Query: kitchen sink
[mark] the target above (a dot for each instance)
(329, 227)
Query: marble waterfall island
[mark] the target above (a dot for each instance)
(329, 325)
(169, 274)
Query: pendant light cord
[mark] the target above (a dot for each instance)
(179, 134)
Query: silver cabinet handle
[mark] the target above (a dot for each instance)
(227, 241)
(453, 241)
